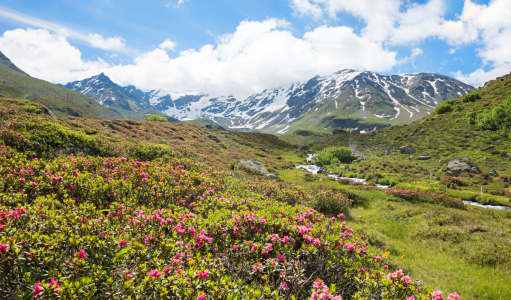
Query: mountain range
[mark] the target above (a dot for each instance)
(348, 98)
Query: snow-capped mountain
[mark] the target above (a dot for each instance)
(322, 100)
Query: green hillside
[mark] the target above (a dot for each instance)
(14, 83)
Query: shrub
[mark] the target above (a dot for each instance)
(450, 101)
(156, 118)
(386, 181)
(471, 118)
(459, 108)
(471, 97)
(444, 108)
(497, 119)
(326, 155)
(344, 181)
(309, 177)
(452, 182)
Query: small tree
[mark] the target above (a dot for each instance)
(471, 97)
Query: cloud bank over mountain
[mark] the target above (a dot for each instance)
(270, 53)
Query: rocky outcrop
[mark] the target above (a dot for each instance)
(113, 127)
(424, 157)
(214, 138)
(46, 111)
(461, 165)
(339, 131)
(220, 128)
(272, 176)
(503, 154)
(209, 126)
(254, 164)
(493, 173)
(407, 149)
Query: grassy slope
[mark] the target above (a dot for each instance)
(17, 84)
(463, 248)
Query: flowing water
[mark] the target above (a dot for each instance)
(315, 169)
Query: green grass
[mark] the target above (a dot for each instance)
(449, 264)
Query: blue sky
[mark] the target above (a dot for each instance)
(242, 46)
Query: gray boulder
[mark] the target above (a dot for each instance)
(460, 165)
(303, 147)
(423, 130)
(407, 149)
(113, 127)
(46, 111)
(424, 157)
(493, 173)
(388, 152)
(503, 154)
(209, 127)
(272, 176)
(254, 164)
(214, 138)
(220, 128)
(347, 167)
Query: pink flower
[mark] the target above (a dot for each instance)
(362, 270)
(282, 258)
(33, 184)
(82, 254)
(22, 179)
(411, 298)
(385, 267)
(454, 296)
(201, 296)
(130, 276)
(235, 247)
(55, 284)
(3, 248)
(38, 289)
(283, 285)
(437, 295)
(122, 243)
(154, 273)
(203, 274)
(71, 187)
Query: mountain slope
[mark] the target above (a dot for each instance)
(15, 83)
(319, 103)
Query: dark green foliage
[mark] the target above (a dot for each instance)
(471, 97)
(450, 101)
(497, 119)
(444, 108)
(472, 118)
(326, 155)
(156, 118)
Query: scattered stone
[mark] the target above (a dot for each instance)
(303, 147)
(321, 179)
(355, 132)
(322, 171)
(411, 134)
(272, 176)
(267, 150)
(493, 173)
(310, 151)
(339, 131)
(220, 128)
(423, 130)
(411, 157)
(375, 181)
(46, 111)
(424, 157)
(287, 149)
(460, 165)
(490, 147)
(407, 149)
(254, 164)
(339, 175)
(214, 138)
(113, 127)
(509, 157)
(346, 167)
(503, 154)
(435, 177)
(209, 127)
(388, 152)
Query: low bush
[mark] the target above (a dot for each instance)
(325, 156)
(471, 97)
(156, 118)
(444, 108)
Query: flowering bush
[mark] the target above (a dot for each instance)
(81, 227)
(453, 182)
(425, 196)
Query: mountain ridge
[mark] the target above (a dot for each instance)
(364, 95)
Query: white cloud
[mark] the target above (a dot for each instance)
(304, 7)
(400, 22)
(47, 56)
(168, 45)
(415, 52)
(181, 2)
(98, 41)
(170, 4)
(256, 56)
(94, 40)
